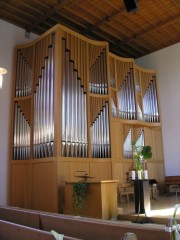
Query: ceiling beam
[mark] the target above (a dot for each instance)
(49, 13)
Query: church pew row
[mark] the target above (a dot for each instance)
(13, 231)
(82, 228)
(20, 216)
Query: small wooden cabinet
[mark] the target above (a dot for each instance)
(100, 201)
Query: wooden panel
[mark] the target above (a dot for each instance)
(157, 144)
(148, 136)
(116, 140)
(20, 185)
(159, 172)
(100, 171)
(117, 171)
(150, 168)
(44, 188)
(109, 199)
(75, 169)
(67, 171)
(63, 171)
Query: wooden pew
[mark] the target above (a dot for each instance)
(22, 220)
(170, 181)
(95, 229)
(88, 229)
(12, 231)
(20, 216)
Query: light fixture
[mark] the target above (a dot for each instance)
(131, 5)
(2, 72)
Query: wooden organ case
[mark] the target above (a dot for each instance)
(77, 107)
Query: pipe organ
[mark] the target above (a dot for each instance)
(77, 108)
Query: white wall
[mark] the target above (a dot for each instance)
(10, 36)
(167, 64)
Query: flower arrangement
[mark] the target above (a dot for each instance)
(141, 153)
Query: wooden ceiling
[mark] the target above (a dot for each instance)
(155, 24)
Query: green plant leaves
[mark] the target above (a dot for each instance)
(79, 194)
(146, 152)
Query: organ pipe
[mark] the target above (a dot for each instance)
(150, 104)
(126, 97)
(24, 72)
(100, 139)
(85, 80)
(98, 81)
(74, 119)
(127, 146)
(21, 149)
(44, 106)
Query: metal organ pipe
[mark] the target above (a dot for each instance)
(23, 73)
(150, 104)
(74, 120)
(100, 140)
(44, 107)
(126, 97)
(21, 133)
(98, 75)
(127, 146)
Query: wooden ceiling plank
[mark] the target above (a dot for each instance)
(8, 13)
(155, 25)
(17, 10)
(94, 28)
(152, 29)
(82, 17)
(49, 13)
(99, 35)
(99, 32)
(32, 8)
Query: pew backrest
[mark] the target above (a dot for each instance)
(87, 228)
(172, 180)
(12, 231)
(20, 216)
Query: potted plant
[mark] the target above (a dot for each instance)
(141, 153)
(79, 194)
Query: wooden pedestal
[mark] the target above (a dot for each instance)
(142, 196)
(100, 201)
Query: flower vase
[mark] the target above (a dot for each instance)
(140, 166)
